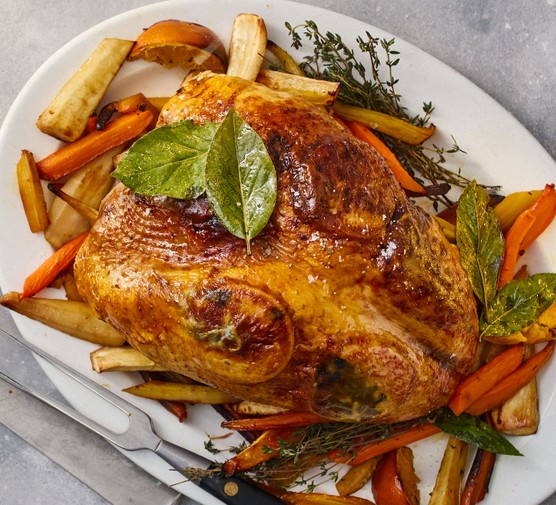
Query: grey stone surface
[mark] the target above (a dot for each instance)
(506, 47)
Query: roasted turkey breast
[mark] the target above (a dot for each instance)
(352, 304)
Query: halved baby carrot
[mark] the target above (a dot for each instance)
(278, 421)
(373, 449)
(264, 448)
(49, 270)
(72, 156)
(485, 378)
(525, 229)
(510, 385)
(544, 210)
(478, 479)
(364, 133)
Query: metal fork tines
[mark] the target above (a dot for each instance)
(140, 434)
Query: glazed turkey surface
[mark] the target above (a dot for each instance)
(352, 304)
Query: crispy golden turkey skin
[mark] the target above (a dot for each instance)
(352, 304)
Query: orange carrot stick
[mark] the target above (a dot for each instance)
(476, 485)
(526, 228)
(73, 156)
(485, 378)
(400, 173)
(544, 209)
(478, 479)
(386, 483)
(389, 444)
(278, 421)
(49, 270)
(510, 385)
(262, 449)
(133, 103)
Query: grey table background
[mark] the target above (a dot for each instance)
(506, 47)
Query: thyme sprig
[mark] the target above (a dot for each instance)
(366, 86)
(311, 446)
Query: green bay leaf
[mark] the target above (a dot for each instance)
(518, 304)
(170, 160)
(480, 242)
(474, 430)
(240, 178)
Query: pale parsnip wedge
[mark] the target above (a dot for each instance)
(248, 408)
(520, 414)
(66, 116)
(448, 229)
(286, 60)
(356, 477)
(447, 487)
(89, 184)
(389, 125)
(173, 391)
(247, 46)
(31, 193)
(71, 317)
(122, 359)
(88, 213)
(313, 90)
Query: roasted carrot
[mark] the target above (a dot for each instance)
(389, 444)
(476, 485)
(485, 378)
(365, 134)
(133, 103)
(91, 123)
(291, 498)
(388, 488)
(478, 479)
(264, 448)
(49, 270)
(75, 155)
(511, 384)
(544, 210)
(278, 421)
(525, 229)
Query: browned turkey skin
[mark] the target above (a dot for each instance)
(352, 304)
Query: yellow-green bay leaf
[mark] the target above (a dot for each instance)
(240, 178)
(169, 160)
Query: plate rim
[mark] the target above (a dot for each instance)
(82, 40)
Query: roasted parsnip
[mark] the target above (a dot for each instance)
(356, 477)
(389, 125)
(71, 317)
(83, 209)
(247, 46)
(321, 499)
(31, 193)
(447, 487)
(89, 185)
(313, 90)
(66, 116)
(394, 479)
(247, 408)
(520, 414)
(190, 393)
(121, 359)
(285, 59)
